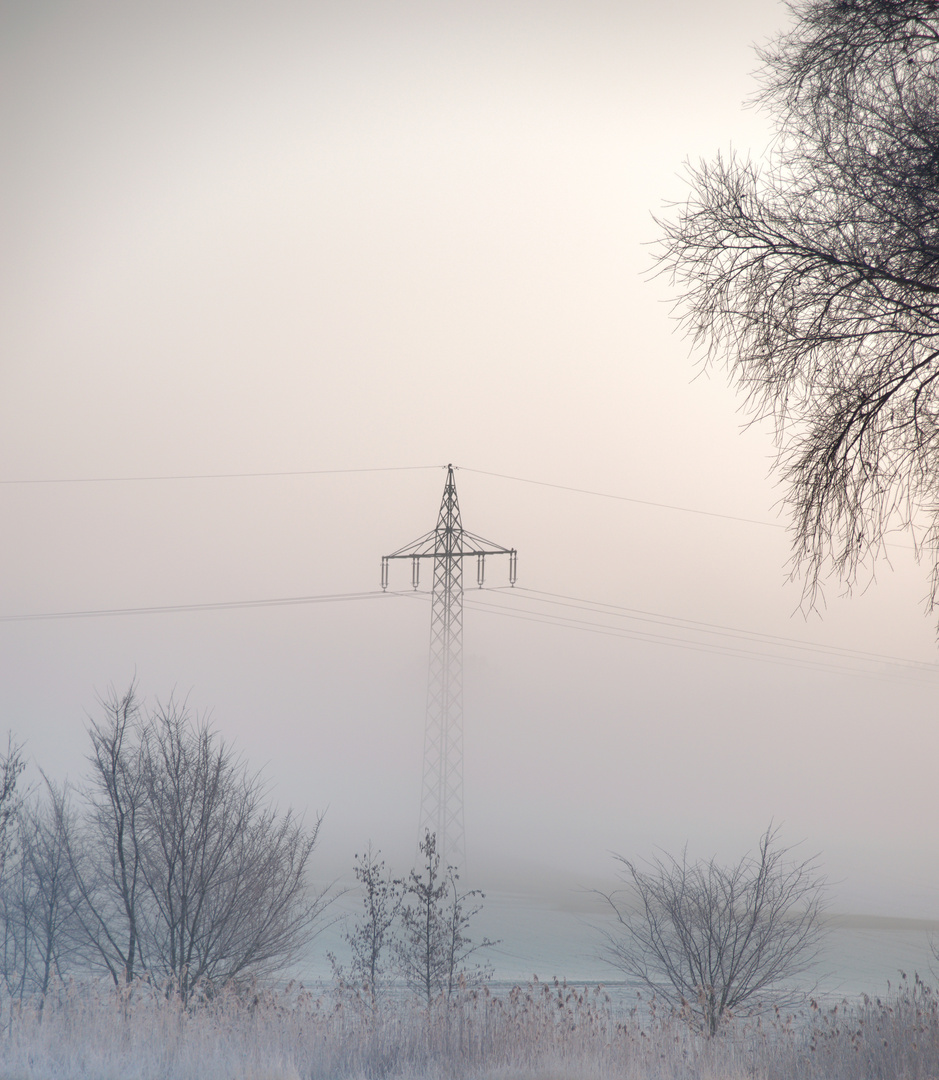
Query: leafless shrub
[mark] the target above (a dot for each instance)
(713, 940)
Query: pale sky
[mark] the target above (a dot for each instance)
(246, 238)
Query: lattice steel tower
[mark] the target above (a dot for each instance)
(442, 786)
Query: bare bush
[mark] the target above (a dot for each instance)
(716, 940)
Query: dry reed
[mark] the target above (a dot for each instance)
(539, 1031)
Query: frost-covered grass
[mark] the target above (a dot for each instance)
(534, 1032)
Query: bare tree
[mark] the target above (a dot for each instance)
(16, 894)
(434, 947)
(38, 895)
(17, 907)
(185, 871)
(421, 949)
(814, 275)
(11, 767)
(225, 874)
(105, 854)
(373, 934)
(461, 909)
(715, 939)
(46, 899)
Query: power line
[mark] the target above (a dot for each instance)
(647, 502)
(703, 644)
(389, 468)
(671, 642)
(224, 605)
(562, 599)
(708, 639)
(405, 468)
(625, 498)
(720, 628)
(220, 476)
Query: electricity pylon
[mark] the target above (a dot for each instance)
(442, 785)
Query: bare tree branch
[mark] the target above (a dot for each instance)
(814, 276)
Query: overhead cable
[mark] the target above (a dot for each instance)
(720, 628)
(512, 601)
(225, 605)
(625, 498)
(219, 476)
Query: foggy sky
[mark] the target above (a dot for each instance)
(280, 237)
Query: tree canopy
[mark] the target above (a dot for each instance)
(814, 275)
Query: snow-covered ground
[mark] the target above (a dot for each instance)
(558, 934)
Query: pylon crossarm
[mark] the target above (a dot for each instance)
(471, 544)
(457, 553)
(422, 547)
(466, 544)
